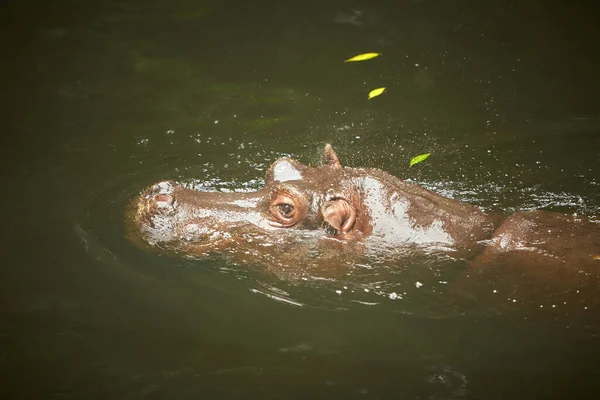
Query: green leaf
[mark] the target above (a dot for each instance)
(418, 159)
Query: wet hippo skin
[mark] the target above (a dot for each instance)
(355, 205)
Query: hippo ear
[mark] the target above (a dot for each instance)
(330, 158)
(285, 169)
(339, 214)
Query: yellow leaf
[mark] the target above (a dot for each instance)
(363, 57)
(376, 92)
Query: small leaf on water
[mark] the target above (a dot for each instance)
(376, 92)
(363, 57)
(418, 159)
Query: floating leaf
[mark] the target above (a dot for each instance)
(376, 92)
(363, 57)
(418, 159)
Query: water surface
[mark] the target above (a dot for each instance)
(101, 99)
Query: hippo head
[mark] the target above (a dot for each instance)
(329, 201)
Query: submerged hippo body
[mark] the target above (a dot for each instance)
(355, 205)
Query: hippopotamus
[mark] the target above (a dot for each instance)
(355, 205)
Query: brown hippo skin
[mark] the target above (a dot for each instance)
(354, 205)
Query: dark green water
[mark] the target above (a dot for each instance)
(100, 99)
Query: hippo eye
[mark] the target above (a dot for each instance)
(285, 209)
(284, 212)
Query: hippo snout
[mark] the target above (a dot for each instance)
(158, 200)
(157, 212)
(169, 215)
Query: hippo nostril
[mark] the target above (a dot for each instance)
(163, 198)
(164, 201)
(164, 187)
(163, 204)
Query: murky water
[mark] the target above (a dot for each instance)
(104, 98)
